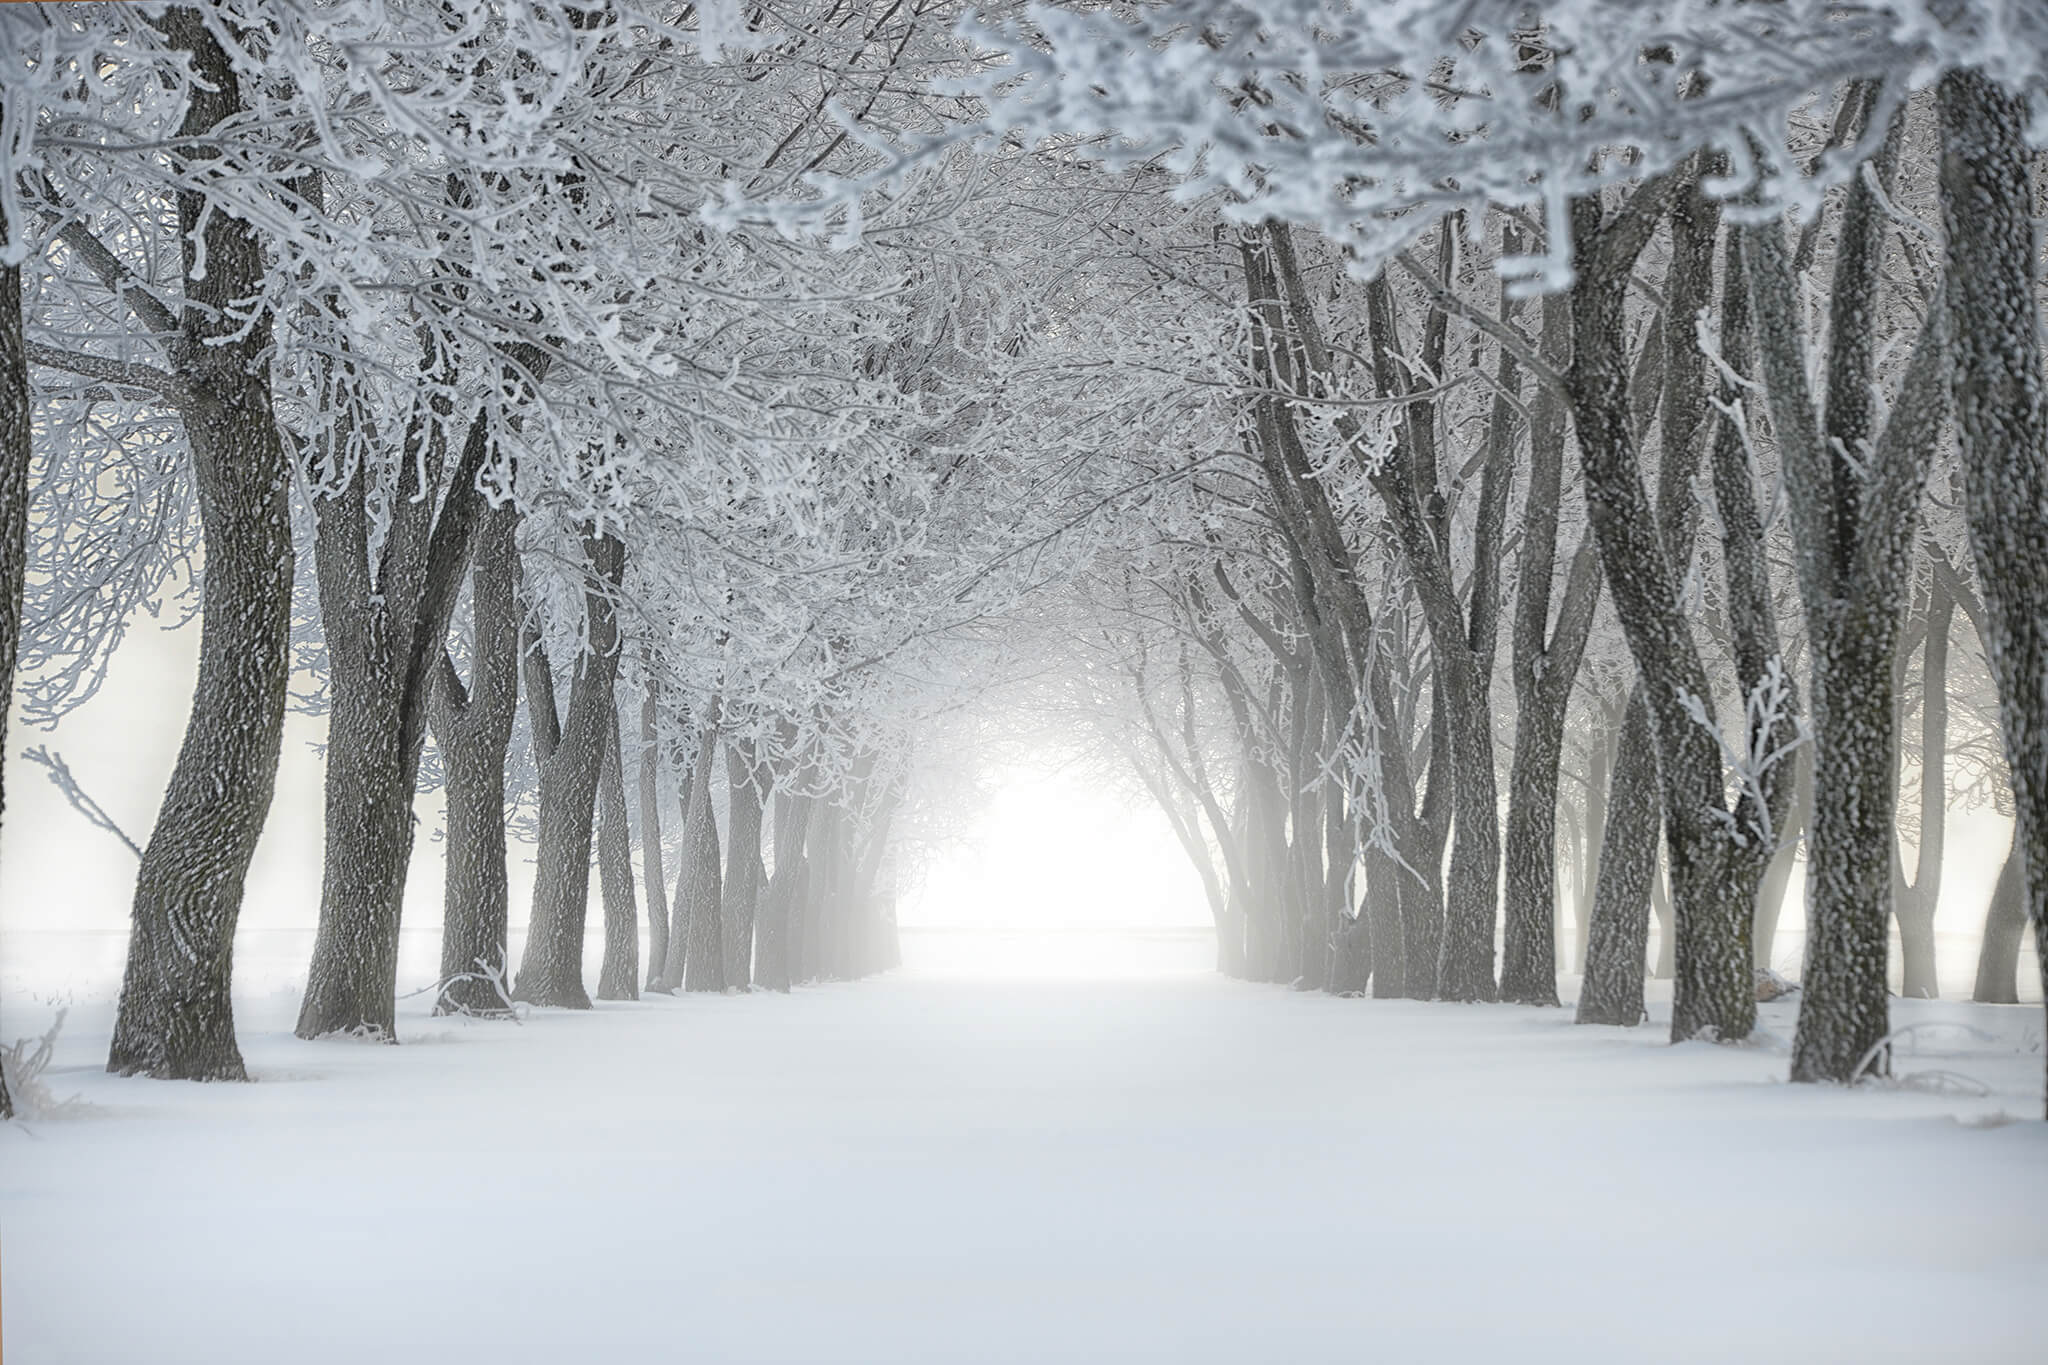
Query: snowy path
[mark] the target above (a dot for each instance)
(920, 1169)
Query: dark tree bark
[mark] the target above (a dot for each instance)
(2002, 428)
(619, 976)
(652, 874)
(15, 448)
(176, 1019)
(1546, 663)
(1612, 992)
(1463, 670)
(2005, 924)
(1715, 856)
(1854, 493)
(473, 728)
(1354, 671)
(385, 618)
(551, 968)
(739, 900)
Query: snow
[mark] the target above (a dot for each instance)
(960, 1162)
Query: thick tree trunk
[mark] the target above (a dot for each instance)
(474, 729)
(475, 897)
(15, 448)
(176, 1019)
(1612, 992)
(1853, 484)
(619, 977)
(551, 967)
(2005, 924)
(368, 824)
(2002, 427)
(1715, 860)
(652, 873)
(739, 902)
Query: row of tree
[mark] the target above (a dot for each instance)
(747, 387)
(1449, 249)
(389, 345)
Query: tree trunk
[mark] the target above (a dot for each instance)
(697, 883)
(176, 1019)
(2002, 428)
(475, 894)
(15, 449)
(1714, 858)
(551, 968)
(2005, 924)
(1384, 879)
(1914, 906)
(619, 977)
(473, 730)
(743, 872)
(1853, 484)
(775, 921)
(1612, 992)
(1545, 665)
(1599, 778)
(652, 874)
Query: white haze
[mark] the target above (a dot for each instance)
(1049, 855)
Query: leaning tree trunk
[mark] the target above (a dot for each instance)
(741, 893)
(650, 838)
(2005, 924)
(1714, 856)
(2002, 429)
(473, 728)
(176, 1019)
(14, 459)
(551, 968)
(619, 977)
(1612, 991)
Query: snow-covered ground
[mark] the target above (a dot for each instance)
(956, 1163)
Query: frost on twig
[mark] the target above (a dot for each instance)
(1767, 709)
(61, 777)
(1938, 1081)
(24, 1063)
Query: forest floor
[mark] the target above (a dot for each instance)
(934, 1168)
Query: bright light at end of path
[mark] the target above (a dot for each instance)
(1059, 878)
